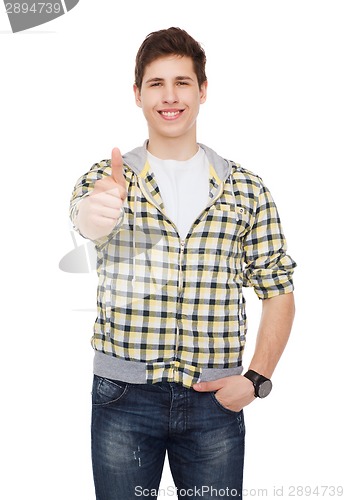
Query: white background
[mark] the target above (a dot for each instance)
(275, 105)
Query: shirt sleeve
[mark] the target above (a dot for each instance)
(268, 268)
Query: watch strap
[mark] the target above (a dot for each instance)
(256, 378)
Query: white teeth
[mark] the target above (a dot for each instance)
(170, 113)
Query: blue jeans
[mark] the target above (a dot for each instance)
(134, 425)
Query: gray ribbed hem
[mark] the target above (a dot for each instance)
(134, 372)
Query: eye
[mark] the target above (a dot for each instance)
(182, 83)
(156, 84)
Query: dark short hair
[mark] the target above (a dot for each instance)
(168, 42)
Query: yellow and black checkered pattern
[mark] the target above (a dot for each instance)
(178, 305)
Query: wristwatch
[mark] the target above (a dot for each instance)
(262, 385)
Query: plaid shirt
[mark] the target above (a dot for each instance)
(177, 305)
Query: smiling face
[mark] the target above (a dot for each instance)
(170, 98)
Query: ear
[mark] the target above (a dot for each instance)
(203, 92)
(137, 95)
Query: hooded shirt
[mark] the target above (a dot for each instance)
(173, 308)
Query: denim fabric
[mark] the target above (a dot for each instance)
(134, 425)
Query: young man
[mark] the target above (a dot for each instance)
(179, 231)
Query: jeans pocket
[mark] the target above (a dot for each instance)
(222, 407)
(106, 391)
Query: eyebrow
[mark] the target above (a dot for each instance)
(177, 78)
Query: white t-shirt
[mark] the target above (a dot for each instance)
(184, 187)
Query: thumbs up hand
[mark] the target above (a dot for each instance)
(99, 212)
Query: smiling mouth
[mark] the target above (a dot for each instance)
(171, 114)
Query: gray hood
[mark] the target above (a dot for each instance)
(136, 160)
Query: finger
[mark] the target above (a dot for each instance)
(106, 194)
(101, 221)
(108, 212)
(104, 217)
(109, 186)
(214, 385)
(117, 168)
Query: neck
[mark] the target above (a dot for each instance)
(172, 148)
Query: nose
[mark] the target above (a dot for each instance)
(170, 95)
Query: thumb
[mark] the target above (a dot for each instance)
(214, 385)
(117, 167)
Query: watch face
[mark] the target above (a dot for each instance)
(264, 389)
